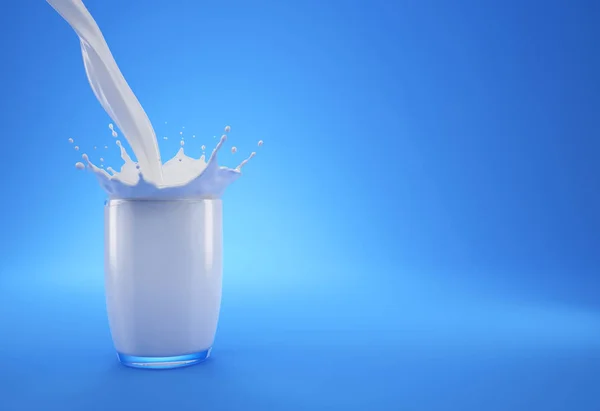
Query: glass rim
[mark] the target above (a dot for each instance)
(116, 201)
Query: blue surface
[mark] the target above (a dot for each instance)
(420, 230)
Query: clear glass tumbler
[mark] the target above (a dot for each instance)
(163, 279)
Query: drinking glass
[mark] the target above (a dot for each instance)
(163, 279)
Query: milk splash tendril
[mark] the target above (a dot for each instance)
(180, 177)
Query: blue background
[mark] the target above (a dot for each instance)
(420, 230)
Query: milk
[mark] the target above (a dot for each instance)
(163, 223)
(152, 179)
(163, 300)
(183, 176)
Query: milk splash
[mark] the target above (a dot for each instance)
(149, 178)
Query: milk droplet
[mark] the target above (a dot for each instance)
(227, 129)
(105, 146)
(79, 165)
(182, 127)
(101, 159)
(181, 133)
(182, 142)
(76, 148)
(233, 150)
(203, 148)
(260, 143)
(111, 126)
(70, 140)
(114, 134)
(165, 138)
(95, 147)
(194, 136)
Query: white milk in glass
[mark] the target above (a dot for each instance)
(163, 224)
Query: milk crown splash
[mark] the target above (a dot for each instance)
(180, 177)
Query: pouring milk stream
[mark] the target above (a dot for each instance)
(181, 176)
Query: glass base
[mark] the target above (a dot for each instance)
(164, 363)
